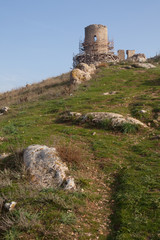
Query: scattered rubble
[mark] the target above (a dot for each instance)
(46, 168)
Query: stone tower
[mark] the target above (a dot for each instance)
(96, 39)
(96, 47)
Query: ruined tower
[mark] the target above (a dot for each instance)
(96, 39)
(96, 47)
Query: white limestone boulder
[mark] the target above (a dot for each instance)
(140, 57)
(87, 68)
(82, 73)
(144, 65)
(78, 76)
(46, 168)
(115, 118)
(96, 118)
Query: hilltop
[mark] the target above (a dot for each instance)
(116, 170)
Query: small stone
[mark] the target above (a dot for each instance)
(156, 123)
(4, 155)
(4, 110)
(70, 184)
(10, 206)
(110, 93)
(142, 111)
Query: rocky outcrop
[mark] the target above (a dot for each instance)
(114, 120)
(144, 65)
(82, 73)
(140, 57)
(46, 168)
(87, 68)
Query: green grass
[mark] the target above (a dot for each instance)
(117, 181)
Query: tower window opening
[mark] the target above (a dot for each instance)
(95, 38)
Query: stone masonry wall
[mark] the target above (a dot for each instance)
(130, 53)
(96, 39)
(121, 55)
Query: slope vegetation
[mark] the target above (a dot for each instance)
(116, 172)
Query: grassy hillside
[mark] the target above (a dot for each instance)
(117, 174)
(47, 89)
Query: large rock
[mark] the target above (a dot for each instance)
(82, 73)
(46, 168)
(97, 118)
(144, 65)
(116, 119)
(140, 57)
(87, 68)
(78, 76)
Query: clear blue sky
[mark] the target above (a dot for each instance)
(38, 37)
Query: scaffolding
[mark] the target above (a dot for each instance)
(96, 53)
(92, 58)
(95, 46)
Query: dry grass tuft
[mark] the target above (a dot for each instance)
(47, 89)
(102, 64)
(71, 153)
(6, 222)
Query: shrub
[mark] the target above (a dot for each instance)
(129, 128)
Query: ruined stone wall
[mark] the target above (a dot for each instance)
(121, 55)
(130, 53)
(96, 39)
